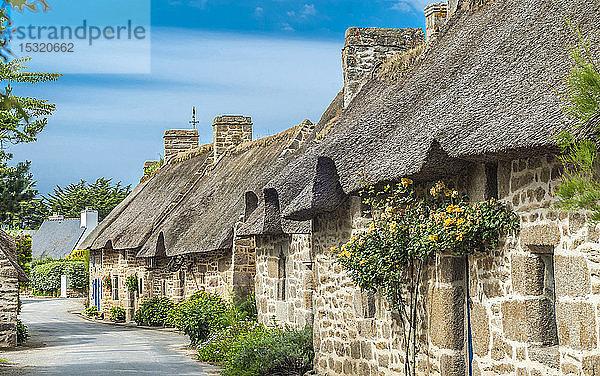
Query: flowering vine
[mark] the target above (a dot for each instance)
(407, 231)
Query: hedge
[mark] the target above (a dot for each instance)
(46, 277)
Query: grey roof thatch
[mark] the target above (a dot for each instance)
(56, 238)
(204, 221)
(485, 87)
(132, 222)
(9, 249)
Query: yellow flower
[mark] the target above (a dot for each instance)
(333, 249)
(459, 237)
(433, 238)
(448, 222)
(454, 194)
(450, 208)
(447, 192)
(432, 191)
(406, 182)
(362, 262)
(393, 226)
(460, 221)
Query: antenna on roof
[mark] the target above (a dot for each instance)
(193, 121)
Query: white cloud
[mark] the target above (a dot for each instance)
(308, 10)
(259, 12)
(286, 27)
(198, 3)
(407, 6)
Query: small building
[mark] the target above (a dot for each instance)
(58, 236)
(10, 276)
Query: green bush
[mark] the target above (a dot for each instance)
(117, 314)
(246, 307)
(91, 311)
(154, 312)
(131, 283)
(217, 347)
(204, 313)
(271, 351)
(22, 333)
(45, 277)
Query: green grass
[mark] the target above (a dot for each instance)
(3, 361)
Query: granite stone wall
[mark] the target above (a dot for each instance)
(367, 48)
(533, 303)
(284, 285)
(9, 293)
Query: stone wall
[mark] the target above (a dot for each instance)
(229, 131)
(220, 272)
(9, 293)
(367, 48)
(179, 140)
(534, 302)
(284, 285)
(435, 17)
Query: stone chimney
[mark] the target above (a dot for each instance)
(230, 131)
(56, 217)
(178, 140)
(89, 218)
(435, 16)
(367, 48)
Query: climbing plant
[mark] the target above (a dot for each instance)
(407, 231)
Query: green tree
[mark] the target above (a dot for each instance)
(24, 256)
(16, 186)
(102, 195)
(579, 188)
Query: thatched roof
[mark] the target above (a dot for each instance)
(9, 249)
(131, 223)
(486, 88)
(204, 221)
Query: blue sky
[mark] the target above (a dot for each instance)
(277, 61)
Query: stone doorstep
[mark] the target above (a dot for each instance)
(124, 324)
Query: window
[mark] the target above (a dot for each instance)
(140, 285)
(491, 180)
(151, 262)
(100, 258)
(124, 255)
(282, 275)
(164, 288)
(115, 288)
(93, 259)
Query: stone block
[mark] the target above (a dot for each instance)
(547, 355)
(540, 238)
(500, 348)
(273, 267)
(527, 272)
(452, 365)
(503, 179)
(590, 365)
(448, 317)
(450, 269)
(480, 329)
(571, 276)
(576, 325)
(529, 320)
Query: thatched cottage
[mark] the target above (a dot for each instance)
(478, 107)
(176, 231)
(475, 105)
(10, 276)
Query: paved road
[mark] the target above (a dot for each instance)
(64, 344)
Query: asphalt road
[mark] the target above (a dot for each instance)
(64, 344)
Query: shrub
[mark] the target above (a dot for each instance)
(271, 351)
(154, 312)
(246, 307)
(217, 347)
(22, 333)
(45, 277)
(199, 316)
(131, 283)
(91, 311)
(117, 314)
